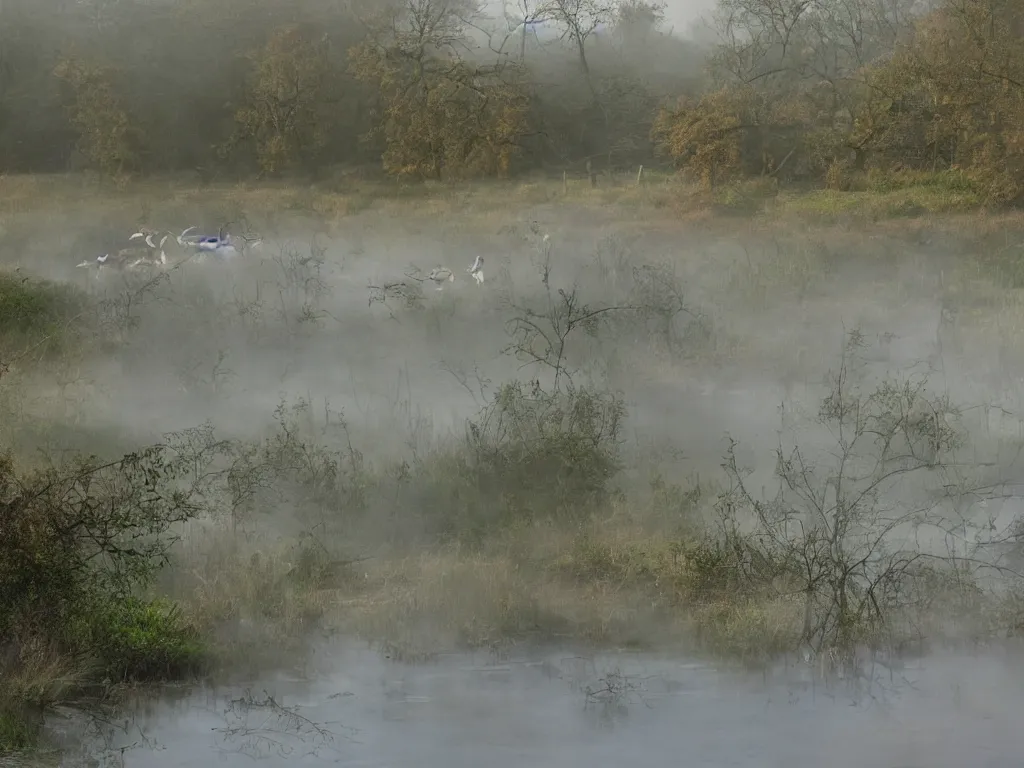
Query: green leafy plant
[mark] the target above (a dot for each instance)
(139, 640)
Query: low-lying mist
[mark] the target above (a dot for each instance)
(405, 382)
(741, 444)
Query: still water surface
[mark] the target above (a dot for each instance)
(564, 710)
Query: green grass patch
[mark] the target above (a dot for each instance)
(19, 728)
(886, 196)
(121, 641)
(145, 641)
(744, 198)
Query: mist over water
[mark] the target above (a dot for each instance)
(350, 706)
(389, 372)
(354, 708)
(742, 389)
(372, 363)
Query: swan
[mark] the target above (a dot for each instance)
(477, 270)
(440, 275)
(127, 258)
(185, 239)
(148, 236)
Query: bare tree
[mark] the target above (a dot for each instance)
(579, 20)
(843, 529)
(521, 17)
(636, 20)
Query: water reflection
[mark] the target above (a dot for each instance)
(570, 710)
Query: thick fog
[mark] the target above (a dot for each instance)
(433, 383)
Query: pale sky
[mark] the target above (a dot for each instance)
(682, 13)
(679, 14)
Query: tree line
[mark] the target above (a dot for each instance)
(815, 91)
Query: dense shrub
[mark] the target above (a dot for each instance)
(36, 314)
(78, 542)
(528, 456)
(138, 640)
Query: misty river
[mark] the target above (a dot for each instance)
(566, 709)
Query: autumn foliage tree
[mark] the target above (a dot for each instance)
(703, 135)
(954, 97)
(834, 88)
(439, 113)
(848, 94)
(285, 117)
(108, 135)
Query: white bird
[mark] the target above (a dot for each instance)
(99, 261)
(148, 235)
(185, 239)
(159, 259)
(143, 232)
(439, 275)
(477, 270)
(127, 258)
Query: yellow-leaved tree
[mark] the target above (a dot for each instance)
(108, 136)
(954, 97)
(439, 114)
(704, 135)
(285, 117)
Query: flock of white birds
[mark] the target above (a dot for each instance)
(148, 252)
(149, 249)
(441, 275)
